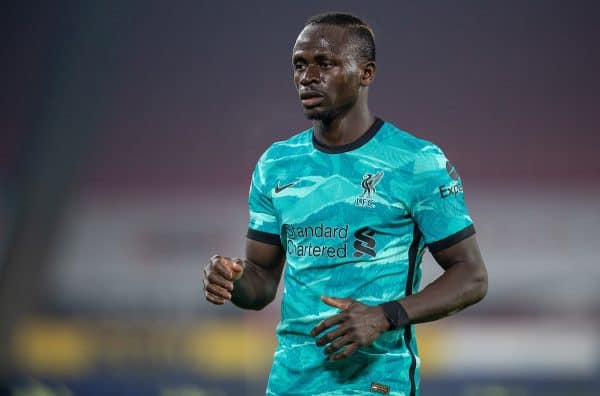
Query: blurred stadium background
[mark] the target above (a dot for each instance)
(129, 131)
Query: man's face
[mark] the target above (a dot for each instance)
(326, 71)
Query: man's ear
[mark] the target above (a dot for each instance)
(368, 73)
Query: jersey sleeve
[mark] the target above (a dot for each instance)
(438, 206)
(263, 225)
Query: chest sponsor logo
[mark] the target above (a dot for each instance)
(368, 184)
(322, 240)
(364, 243)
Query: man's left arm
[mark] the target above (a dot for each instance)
(463, 283)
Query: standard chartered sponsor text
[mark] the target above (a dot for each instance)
(298, 245)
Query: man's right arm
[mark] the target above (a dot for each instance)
(250, 283)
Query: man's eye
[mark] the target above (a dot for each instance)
(299, 66)
(325, 65)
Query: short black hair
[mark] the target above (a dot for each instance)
(361, 32)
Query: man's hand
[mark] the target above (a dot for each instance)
(219, 275)
(358, 325)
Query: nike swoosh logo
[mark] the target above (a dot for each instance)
(279, 188)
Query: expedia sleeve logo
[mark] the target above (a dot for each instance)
(452, 189)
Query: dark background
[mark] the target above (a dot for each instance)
(172, 85)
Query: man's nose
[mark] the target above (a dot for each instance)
(311, 75)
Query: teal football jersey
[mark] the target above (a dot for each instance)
(354, 221)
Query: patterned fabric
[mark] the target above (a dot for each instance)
(354, 221)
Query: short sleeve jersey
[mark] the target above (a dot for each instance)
(354, 222)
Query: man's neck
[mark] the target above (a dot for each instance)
(344, 129)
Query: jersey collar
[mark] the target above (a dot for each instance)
(362, 140)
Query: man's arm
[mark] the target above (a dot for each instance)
(263, 266)
(250, 283)
(463, 283)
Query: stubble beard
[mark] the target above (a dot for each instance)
(327, 116)
(324, 116)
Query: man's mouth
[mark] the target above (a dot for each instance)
(312, 102)
(311, 98)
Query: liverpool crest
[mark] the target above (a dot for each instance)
(368, 183)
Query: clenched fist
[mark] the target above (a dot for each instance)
(219, 275)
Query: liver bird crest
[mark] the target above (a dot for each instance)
(369, 182)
